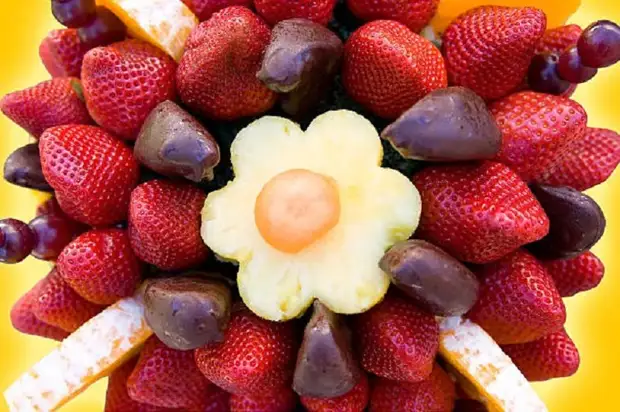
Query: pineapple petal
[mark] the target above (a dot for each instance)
(270, 284)
(343, 145)
(266, 147)
(228, 221)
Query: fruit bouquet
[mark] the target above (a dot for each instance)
(314, 205)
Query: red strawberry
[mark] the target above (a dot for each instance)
(217, 73)
(274, 11)
(488, 49)
(117, 399)
(62, 53)
(283, 400)
(353, 401)
(52, 103)
(536, 130)
(587, 162)
(469, 405)
(204, 9)
(478, 212)
(414, 14)
(217, 400)
(92, 173)
(24, 320)
(552, 356)
(58, 305)
(101, 266)
(123, 82)
(558, 39)
(388, 68)
(256, 357)
(164, 224)
(577, 274)
(396, 340)
(435, 394)
(518, 301)
(168, 378)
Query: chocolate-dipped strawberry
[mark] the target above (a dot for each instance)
(301, 61)
(325, 364)
(446, 125)
(174, 143)
(23, 168)
(187, 312)
(576, 222)
(435, 280)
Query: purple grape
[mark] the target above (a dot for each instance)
(74, 13)
(542, 76)
(571, 69)
(599, 44)
(51, 234)
(105, 29)
(16, 241)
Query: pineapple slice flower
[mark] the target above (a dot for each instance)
(309, 215)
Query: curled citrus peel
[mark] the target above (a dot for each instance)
(163, 23)
(93, 351)
(484, 370)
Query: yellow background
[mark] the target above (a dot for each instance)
(592, 317)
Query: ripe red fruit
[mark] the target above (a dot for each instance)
(436, 393)
(101, 266)
(414, 14)
(217, 73)
(91, 171)
(204, 9)
(164, 224)
(537, 129)
(587, 162)
(51, 103)
(167, 378)
(283, 400)
(396, 340)
(387, 68)
(124, 81)
(257, 356)
(353, 401)
(117, 399)
(478, 212)
(24, 320)
(488, 49)
(274, 11)
(58, 305)
(518, 300)
(552, 356)
(62, 52)
(558, 39)
(575, 275)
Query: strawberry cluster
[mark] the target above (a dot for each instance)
(130, 141)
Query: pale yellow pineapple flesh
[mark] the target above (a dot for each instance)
(379, 207)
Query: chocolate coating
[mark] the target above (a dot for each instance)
(187, 312)
(325, 364)
(437, 282)
(23, 168)
(301, 61)
(173, 143)
(448, 124)
(576, 222)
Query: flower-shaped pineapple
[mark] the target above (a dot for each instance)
(309, 215)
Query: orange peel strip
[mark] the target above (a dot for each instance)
(90, 353)
(488, 373)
